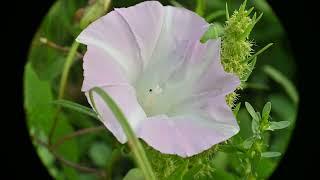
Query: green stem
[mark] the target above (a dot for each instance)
(63, 81)
(135, 145)
(200, 7)
(66, 68)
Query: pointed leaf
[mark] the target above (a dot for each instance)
(255, 126)
(278, 125)
(200, 7)
(76, 107)
(227, 11)
(283, 81)
(251, 111)
(266, 111)
(270, 154)
(259, 52)
(248, 142)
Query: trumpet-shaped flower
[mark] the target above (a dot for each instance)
(170, 87)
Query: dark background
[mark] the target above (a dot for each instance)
(19, 21)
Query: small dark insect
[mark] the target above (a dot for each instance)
(150, 90)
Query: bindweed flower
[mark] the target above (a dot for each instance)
(170, 86)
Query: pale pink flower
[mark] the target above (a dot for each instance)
(171, 87)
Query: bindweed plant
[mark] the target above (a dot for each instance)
(71, 133)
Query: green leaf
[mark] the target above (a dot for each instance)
(190, 175)
(38, 95)
(134, 174)
(248, 142)
(283, 81)
(69, 149)
(137, 149)
(228, 148)
(255, 126)
(270, 154)
(266, 167)
(94, 11)
(278, 125)
(251, 111)
(259, 52)
(213, 32)
(243, 5)
(200, 7)
(58, 26)
(283, 107)
(227, 12)
(77, 107)
(251, 66)
(236, 109)
(40, 115)
(223, 174)
(266, 111)
(179, 172)
(100, 153)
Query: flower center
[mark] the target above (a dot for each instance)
(151, 101)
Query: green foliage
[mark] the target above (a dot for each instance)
(41, 113)
(37, 96)
(134, 174)
(94, 11)
(283, 81)
(278, 125)
(255, 145)
(136, 147)
(100, 153)
(58, 26)
(270, 154)
(251, 111)
(201, 4)
(76, 107)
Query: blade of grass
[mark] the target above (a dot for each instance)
(200, 7)
(76, 107)
(283, 81)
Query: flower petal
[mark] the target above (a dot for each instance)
(145, 20)
(100, 70)
(203, 72)
(178, 25)
(215, 78)
(112, 34)
(125, 98)
(188, 134)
